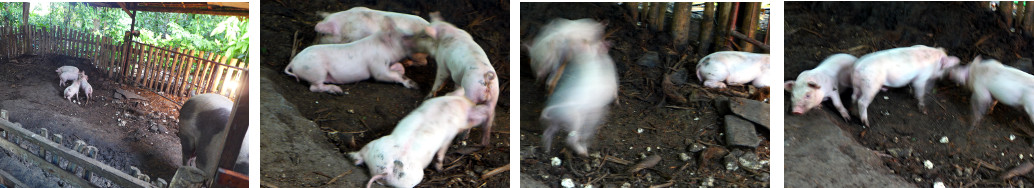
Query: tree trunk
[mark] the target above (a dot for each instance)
(749, 24)
(633, 10)
(723, 25)
(680, 23)
(1005, 9)
(657, 19)
(706, 28)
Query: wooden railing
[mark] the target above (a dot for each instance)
(176, 71)
(48, 153)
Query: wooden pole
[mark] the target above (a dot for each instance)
(657, 19)
(633, 10)
(1029, 20)
(723, 25)
(127, 44)
(1018, 17)
(238, 127)
(25, 28)
(1005, 9)
(706, 28)
(750, 24)
(680, 23)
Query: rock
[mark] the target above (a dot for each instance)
(739, 132)
(679, 77)
(730, 162)
(899, 152)
(1024, 64)
(650, 59)
(750, 161)
(567, 183)
(755, 111)
(763, 177)
(684, 157)
(696, 147)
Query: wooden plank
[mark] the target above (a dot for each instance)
(43, 163)
(159, 71)
(206, 73)
(217, 77)
(152, 65)
(89, 164)
(174, 68)
(9, 181)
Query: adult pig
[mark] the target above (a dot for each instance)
(553, 46)
(990, 80)
(916, 65)
(375, 56)
(821, 83)
(399, 158)
(359, 22)
(67, 73)
(733, 68)
(203, 127)
(581, 100)
(460, 58)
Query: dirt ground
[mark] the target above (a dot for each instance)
(371, 109)
(139, 133)
(643, 124)
(816, 30)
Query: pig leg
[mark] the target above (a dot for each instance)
(439, 80)
(715, 76)
(919, 89)
(574, 139)
(865, 97)
(375, 178)
(317, 77)
(979, 101)
(396, 74)
(187, 149)
(441, 155)
(547, 136)
(835, 97)
(487, 129)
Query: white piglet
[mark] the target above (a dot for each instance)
(87, 88)
(399, 158)
(554, 46)
(825, 81)
(917, 65)
(359, 22)
(582, 98)
(466, 63)
(734, 68)
(67, 73)
(72, 90)
(990, 80)
(375, 56)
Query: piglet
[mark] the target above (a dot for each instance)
(553, 46)
(917, 65)
(821, 83)
(374, 56)
(67, 73)
(72, 90)
(87, 88)
(359, 22)
(466, 63)
(399, 158)
(203, 127)
(990, 80)
(582, 98)
(733, 68)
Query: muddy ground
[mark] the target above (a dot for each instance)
(139, 133)
(371, 109)
(816, 30)
(643, 124)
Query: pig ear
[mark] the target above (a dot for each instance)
(396, 67)
(431, 32)
(788, 86)
(813, 85)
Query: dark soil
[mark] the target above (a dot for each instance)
(666, 128)
(372, 109)
(816, 30)
(147, 140)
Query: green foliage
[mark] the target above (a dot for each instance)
(218, 34)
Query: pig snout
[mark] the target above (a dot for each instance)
(203, 120)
